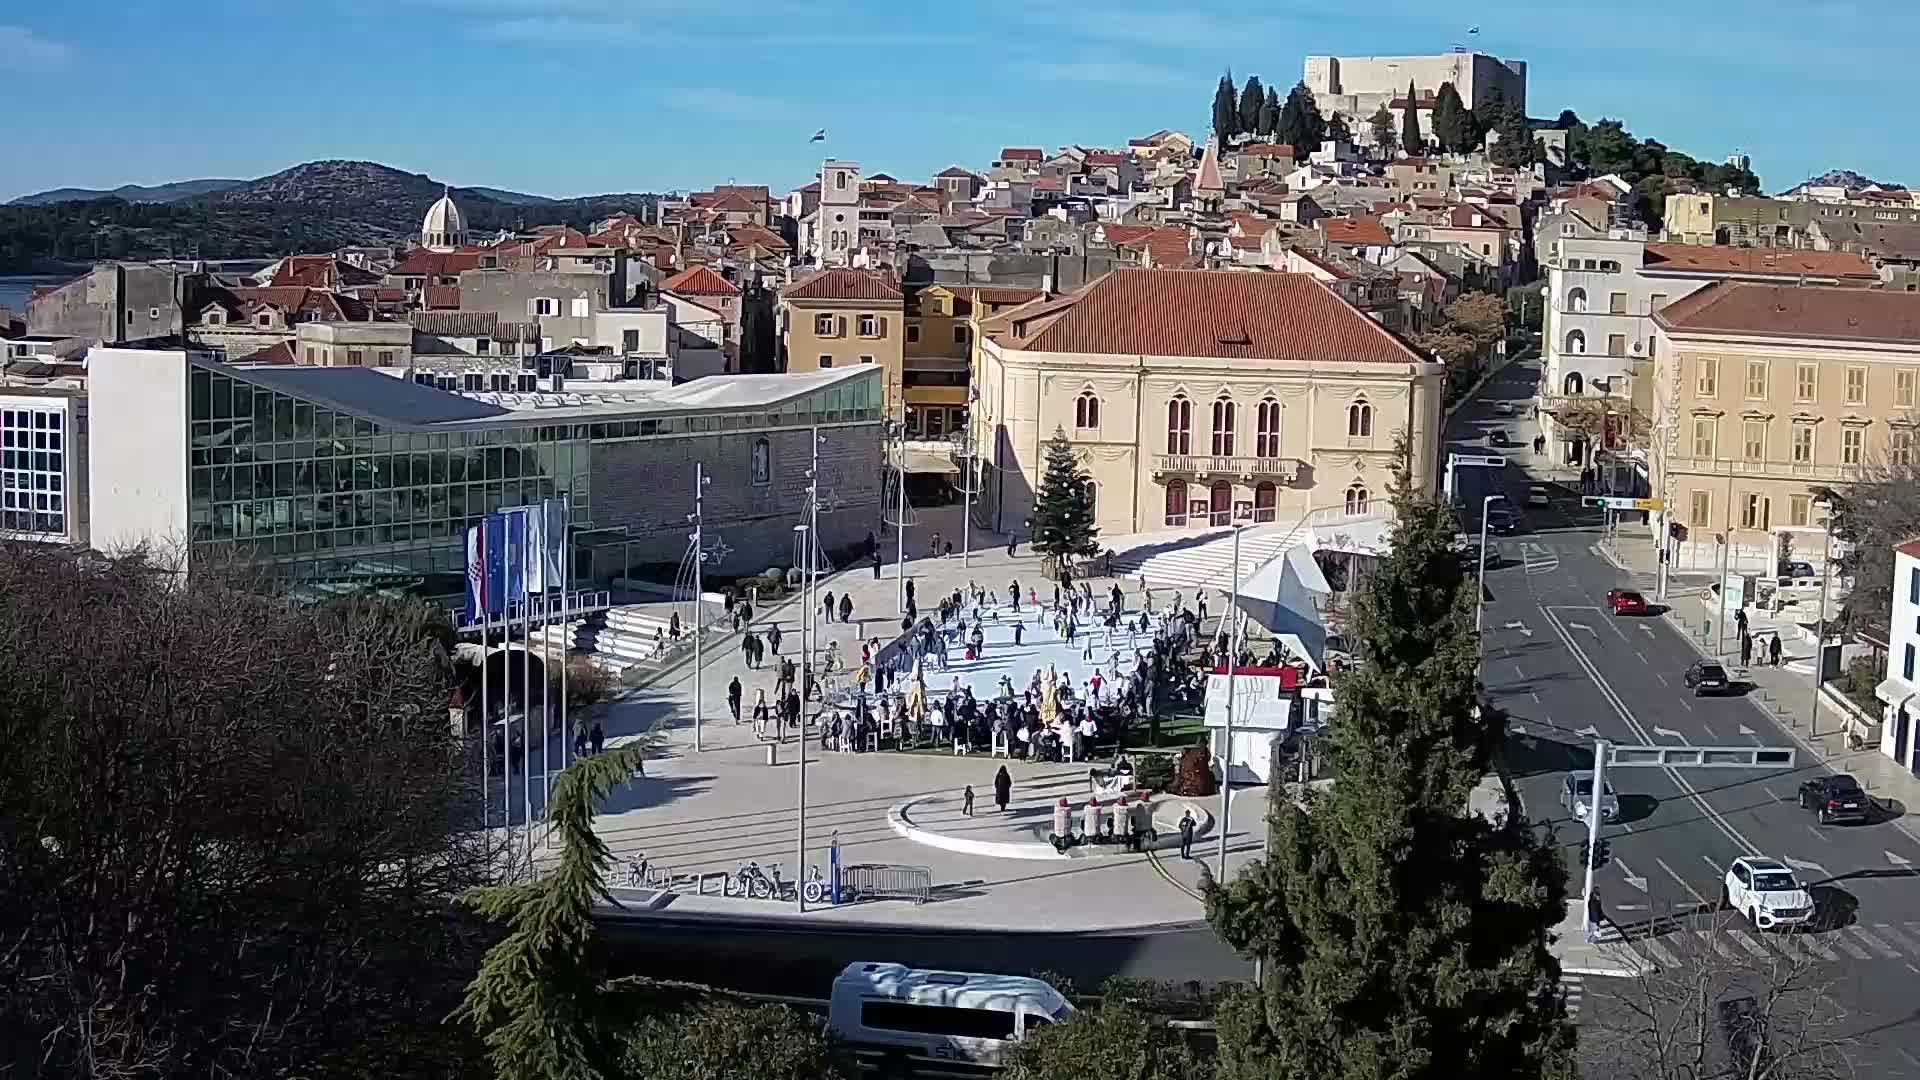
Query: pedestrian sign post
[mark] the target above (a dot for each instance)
(1616, 502)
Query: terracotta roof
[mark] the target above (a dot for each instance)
(1046, 183)
(1338, 272)
(320, 272)
(1910, 548)
(1266, 149)
(298, 299)
(1782, 261)
(1810, 311)
(1171, 247)
(1005, 294)
(1100, 158)
(1246, 243)
(1020, 153)
(455, 323)
(421, 263)
(280, 352)
(733, 201)
(955, 170)
(740, 235)
(1125, 235)
(442, 297)
(1219, 314)
(1207, 178)
(699, 281)
(1359, 230)
(842, 283)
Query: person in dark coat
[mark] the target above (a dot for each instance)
(1773, 650)
(1002, 789)
(733, 698)
(598, 737)
(826, 605)
(846, 607)
(1746, 648)
(773, 638)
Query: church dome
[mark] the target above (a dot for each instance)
(443, 228)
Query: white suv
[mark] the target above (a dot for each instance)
(1766, 892)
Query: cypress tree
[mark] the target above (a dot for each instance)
(1337, 129)
(1383, 136)
(1313, 126)
(1450, 120)
(1226, 113)
(1410, 139)
(1402, 936)
(1270, 113)
(1252, 100)
(1063, 507)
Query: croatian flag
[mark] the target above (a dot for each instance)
(819, 136)
(487, 569)
(477, 609)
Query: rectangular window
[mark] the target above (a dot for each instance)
(913, 334)
(1799, 509)
(1616, 344)
(1706, 379)
(1756, 512)
(1900, 446)
(937, 1020)
(1803, 444)
(1617, 303)
(581, 307)
(1906, 664)
(1856, 386)
(869, 326)
(1701, 510)
(823, 326)
(1703, 439)
(1903, 380)
(544, 305)
(1913, 588)
(866, 359)
(1756, 380)
(630, 341)
(826, 361)
(1853, 442)
(1754, 434)
(356, 357)
(1806, 382)
(1658, 301)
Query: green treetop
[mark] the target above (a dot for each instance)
(1063, 508)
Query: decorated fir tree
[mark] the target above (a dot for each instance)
(1063, 507)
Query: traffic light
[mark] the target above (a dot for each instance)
(1597, 502)
(1595, 858)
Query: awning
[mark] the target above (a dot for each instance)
(928, 460)
(1895, 691)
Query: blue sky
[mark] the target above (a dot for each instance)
(565, 97)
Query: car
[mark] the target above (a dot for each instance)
(1626, 602)
(1538, 495)
(1835, 798)
(1576, 794)
(1503, 408)
(1767, 893)
(1498, 437)
(1795, 570)
(1706, 677)
(1503, 521)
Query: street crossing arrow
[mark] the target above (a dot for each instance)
(1668, 733)
(1520, 626)
(1636, 882)
(1802, 864)
(1583, 626)
(1745, 730)
(1895, 859)
(1589, 731)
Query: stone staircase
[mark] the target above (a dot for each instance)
(616, 639)
(1202, 559)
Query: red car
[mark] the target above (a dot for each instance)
(1626, 602)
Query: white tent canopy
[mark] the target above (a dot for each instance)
(1283, 596)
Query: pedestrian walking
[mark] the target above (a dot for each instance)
(933, 546)
(1773, 650)
(966, 799)
(1002, 788)
(1746, 647)
(1203, 607)
(846, 607)
(773, 638)
(1013, 594)
(876, 566)
(1186, 835)
(1018, 629)
(1740, 619)
(733, 698)
(598, 737)
(1596, 914)
(826, 605)
(909, 595)
(746, 648)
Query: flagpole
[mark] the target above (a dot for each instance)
(477, 587)
(699, 556)
(526, 697)
(566, 627)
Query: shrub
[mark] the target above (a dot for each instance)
(1153, 771)
(1194, 774)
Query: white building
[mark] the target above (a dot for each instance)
(443, 229)
(1900, 733)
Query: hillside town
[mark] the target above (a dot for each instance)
(1668, 419)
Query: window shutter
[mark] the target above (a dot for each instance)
(883, 326)
(840, 325)
(532, 306)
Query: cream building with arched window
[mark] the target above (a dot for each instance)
(1193, 394)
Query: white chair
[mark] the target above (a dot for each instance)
(1000, 747)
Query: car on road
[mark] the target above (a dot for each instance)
(1626, 602)
(1498, 437)
(1502, 521)
(1538, 495)
(1706, 677)
(1835, 798)
(1795, 570)
(1766, 892)
(1503, 408)
(1576, 795)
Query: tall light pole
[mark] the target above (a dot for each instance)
(1233, 667)
(1820, 623)
(1595, 800)
(900, 522)
(810, 544)
(700, 482)
(1480, 601)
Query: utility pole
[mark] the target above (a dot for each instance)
(1820, 626)
(1594, 801)
(900, 522)
(1233, 667)
(700, 482)
(810, 533)
(1480, 600)
(966, 510)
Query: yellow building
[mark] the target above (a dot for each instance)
(842, 317)
(1193, 394)
(943, 334)
(1764, 395)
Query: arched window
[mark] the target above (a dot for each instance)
(762, 461)
(1180, 426)
(1223, 427)
(1086, 411)
(1576, 342)
(1265, 496)
(1220, 503)
(1176, 502)
(1357, 499)
(1572, 383)
(1266, 429)
(1360, 420)
(1576, 299)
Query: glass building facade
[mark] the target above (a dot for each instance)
(326, 496)
(33, 470)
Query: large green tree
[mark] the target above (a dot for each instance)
(1383, 134)
(1515, 145)
(1337, 129)
(1063, 507)
(1875, 512)
(1402, 936)
(1226, 109)
(1252, 99)
(1270, 112)
(1452, 124)
(1118, 1041)
(1301, 126)
(1410, 138)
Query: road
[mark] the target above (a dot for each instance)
(1568, 672)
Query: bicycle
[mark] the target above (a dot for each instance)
(815, 889)
(754, 882)
(642, 874)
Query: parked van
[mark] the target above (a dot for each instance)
(945, 1017)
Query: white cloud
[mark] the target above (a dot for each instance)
(23, 50)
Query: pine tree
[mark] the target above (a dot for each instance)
(1063, 508)
(1270, 113)
(1337, 129)
(1410, 138)
(1401, 936)
(1226, 113)
(1383, 136)
(1515, 147)
(1450, 120)
(1252, 100)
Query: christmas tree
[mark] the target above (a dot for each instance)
(1063, 509)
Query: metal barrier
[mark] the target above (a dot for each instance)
(882, 881)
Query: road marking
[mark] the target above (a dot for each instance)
(1583, 626)
(1634, 882)
(1747, 731)
(1662, 678)
(1712, 941)
(1517, 672)
(1641, 655)
(1711, 865)
(1520, 626)
(1620, 707)
(1770, 794)
(1753, 947)
(1710, 733)
(1911, 1060)
(1840, 942)
(1896, 860)
(1823, 837)
(1875, 943)
(1802, 864)
(1813, 945)
(1534, 696)
(1589, 731)
(1898, 937)
(1668, 733)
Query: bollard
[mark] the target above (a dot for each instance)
(1061, 813)
(773, 753)
(1090, 821)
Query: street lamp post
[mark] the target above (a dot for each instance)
(1820, 624)
(900, 523)
(1233, 666)
(700, 482)
(1480, 601)
(810, 545)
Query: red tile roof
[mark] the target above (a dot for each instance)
(280, 352)
(1101, 158)
(1785, 262)
(956, 171)
(1219, 314)
(442, 298)
(1123, 235)
(1365, 231)
(421, 263)
(842, 283)
(1171, 247)
(1284, 150)
(1004, 294)
(1019, 153)
(321, 272)
(699, 281)
(1835, 312)
(1910, 548)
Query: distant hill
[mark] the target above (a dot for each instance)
(1845, 178)
(317, 206)
(133, 193)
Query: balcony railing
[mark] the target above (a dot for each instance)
(1775, 470)
(1201, 466)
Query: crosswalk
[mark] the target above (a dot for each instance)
(1539, 558)
(1672, 944)
(1573, 989)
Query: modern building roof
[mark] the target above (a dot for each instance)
(1218, 314)
(1785, 262)
(699, 281)
(842, 283)
(1896, 241)
(1838, 313)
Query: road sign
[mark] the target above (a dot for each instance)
(1616, 502)
(1485, 461)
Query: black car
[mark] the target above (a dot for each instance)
(1707, 677)
(1498, 437)
(1503, 521)
(1835, 798)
